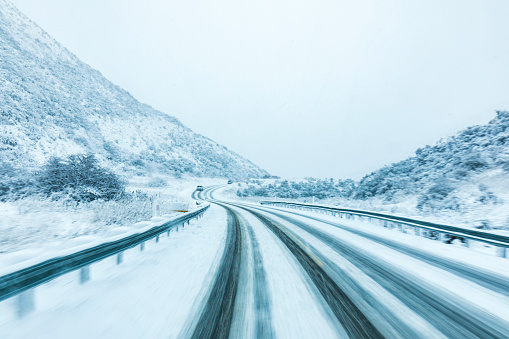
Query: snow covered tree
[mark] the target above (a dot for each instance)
(80, 177)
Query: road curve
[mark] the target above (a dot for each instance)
(451, 316)
(447, 314)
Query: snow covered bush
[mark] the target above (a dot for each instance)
(14, 183)
(157, 182)
(311, 187)
(80, 177)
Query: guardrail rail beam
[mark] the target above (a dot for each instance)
(421, 228)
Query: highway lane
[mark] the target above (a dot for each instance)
(490, 280)
(448, 314)
(356, 324)
(452, 316)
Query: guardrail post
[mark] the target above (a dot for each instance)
(142, 246)
(501, 252)
(441, 236)
(25, 302)
(84, 274)
(120, 258)
(466, 242)
(417, 231)
(168, 233)
(157, 238)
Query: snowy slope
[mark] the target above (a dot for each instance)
(51, 103)
(448, 164)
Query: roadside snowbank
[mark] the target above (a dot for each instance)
(150, 295)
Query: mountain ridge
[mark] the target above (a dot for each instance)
(53, 104)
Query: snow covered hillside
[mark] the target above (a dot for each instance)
(463, 180)
(469, 153)
(52, 104)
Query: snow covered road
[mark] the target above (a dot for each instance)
(247, 271)
(451, 312)
(401, 291)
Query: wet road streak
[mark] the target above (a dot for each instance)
(263, 326)
(448, 318)
(216, 318)
(353, 320)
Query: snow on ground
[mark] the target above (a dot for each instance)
(150, 295)
(33, 224)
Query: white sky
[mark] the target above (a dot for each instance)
(324, 88)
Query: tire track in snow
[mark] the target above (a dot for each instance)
(216, 318)
(492, 281)
(355, 323)
(263, 326)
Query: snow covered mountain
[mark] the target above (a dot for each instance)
(473, 152)
(53, 104)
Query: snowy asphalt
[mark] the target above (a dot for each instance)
(358, 313)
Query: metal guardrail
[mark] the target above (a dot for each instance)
(17, 282)
(494, 239)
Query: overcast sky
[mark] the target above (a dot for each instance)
(324, 88)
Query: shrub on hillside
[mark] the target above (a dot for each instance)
(311, 187)
(79, 177)
(437, 197)
(14, 182)
(157, 182)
